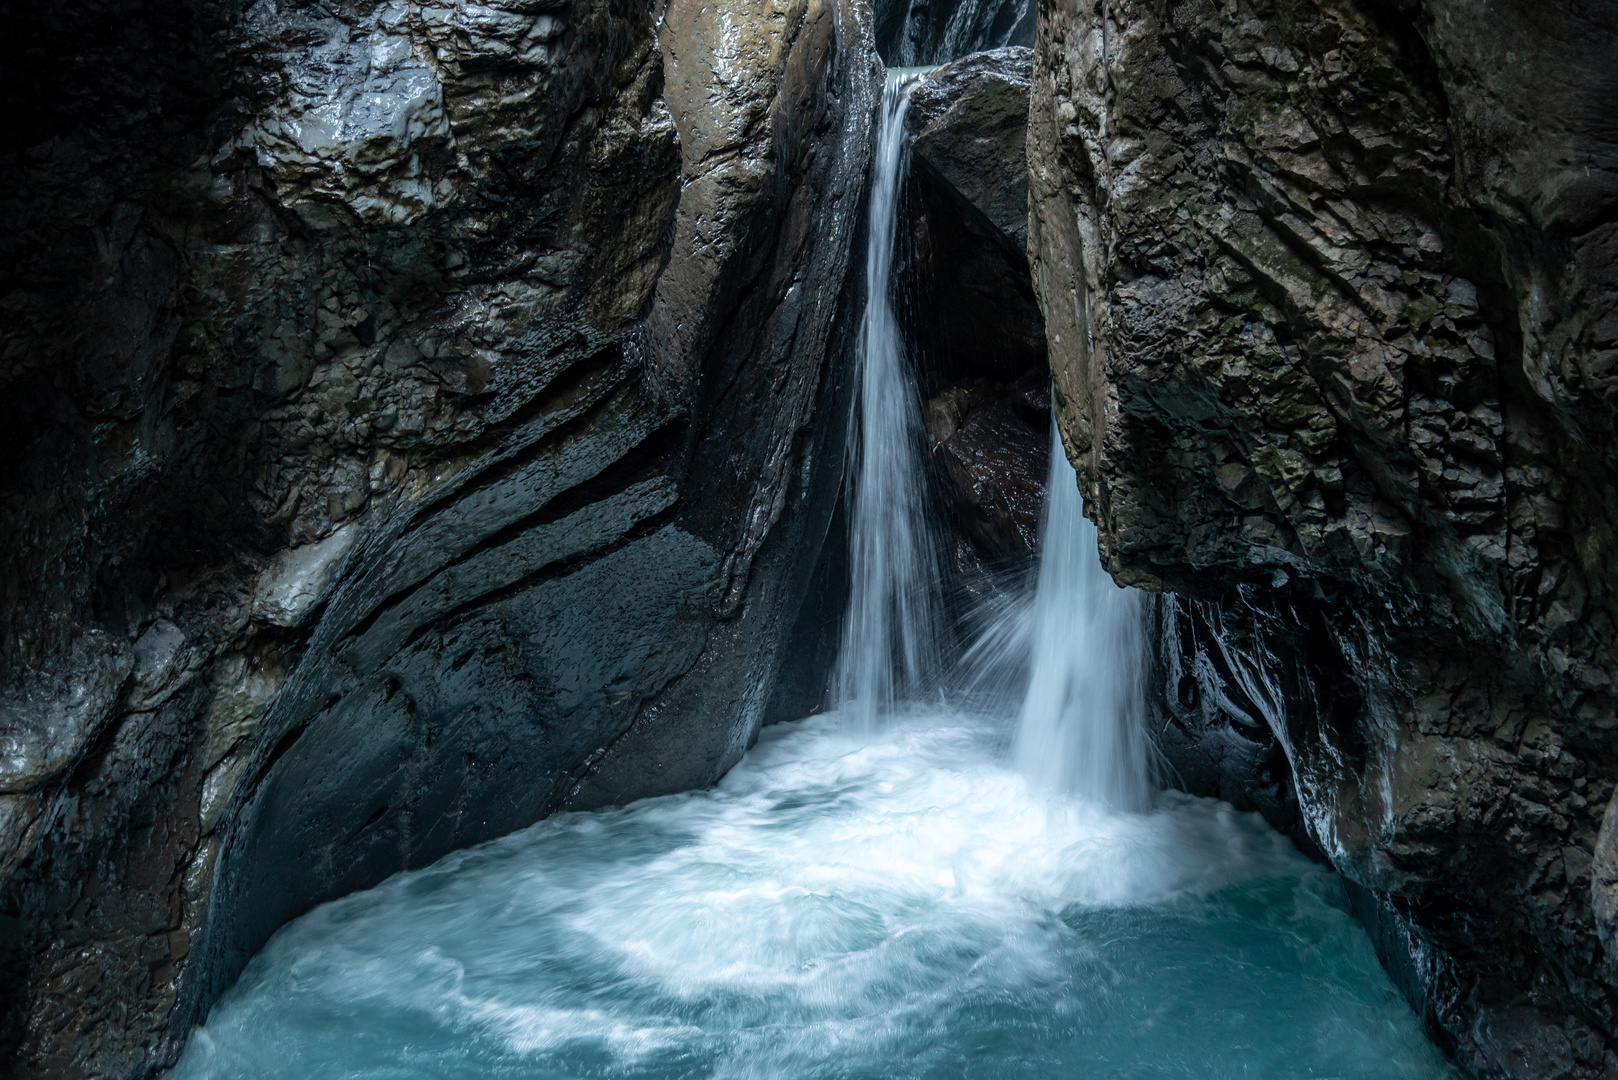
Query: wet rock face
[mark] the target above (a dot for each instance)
(1330, 291)
(415, 420)
(966, 296)
(1216, 700)
(990, 450)
(911, 33)
(971, 318)
(968, 122)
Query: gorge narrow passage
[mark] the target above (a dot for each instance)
(918, 883)
(429, 431)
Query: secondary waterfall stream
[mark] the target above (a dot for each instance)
(895, 888)
(1082, 726)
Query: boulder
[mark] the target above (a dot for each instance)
(989, 457)
(971, 319)
(968, 121)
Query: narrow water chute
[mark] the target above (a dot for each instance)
(1082, 728)
(889, 644)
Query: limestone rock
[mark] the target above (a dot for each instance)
(969, 121)
(430, 413)
(50, 721)
(297, 579)
(971, 311)
(1329, 291)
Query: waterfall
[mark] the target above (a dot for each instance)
(1082, 725)
(1081, 729)
(969, 26)
(862, 899)
(888, 643)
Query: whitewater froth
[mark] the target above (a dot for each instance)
(1082, 726)
(842, 904)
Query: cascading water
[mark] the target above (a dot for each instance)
(888, 642)
(967, 26)
(858, 900)
(1082, 724)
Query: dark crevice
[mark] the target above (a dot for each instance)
(282, 745)
(598, 373)
(645, 460)
(616, 393)
(376, 816)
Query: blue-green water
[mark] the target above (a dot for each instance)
(843, 905)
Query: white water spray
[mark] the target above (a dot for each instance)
(888, 645)
(845, 903)
(973, 26)
(1082, 727)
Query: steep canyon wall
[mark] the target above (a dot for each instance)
(415, 420)
(1331, 291)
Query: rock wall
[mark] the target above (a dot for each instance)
(1332, 296)
(415, 420)
(968, 123)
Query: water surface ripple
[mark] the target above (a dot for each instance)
(846, 903)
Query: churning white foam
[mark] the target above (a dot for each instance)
(1082, 727)
(843, 904)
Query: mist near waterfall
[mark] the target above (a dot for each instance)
(1082, 725)
(903, 903)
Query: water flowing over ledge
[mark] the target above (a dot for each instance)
(876, 891)
(890, 633)
(1082, 727)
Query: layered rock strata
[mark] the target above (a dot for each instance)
(1332, 297)
(417, 419)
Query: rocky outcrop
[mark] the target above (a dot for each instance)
(989, 450)
(968, 123)
(416, 420)
(1331, 294)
